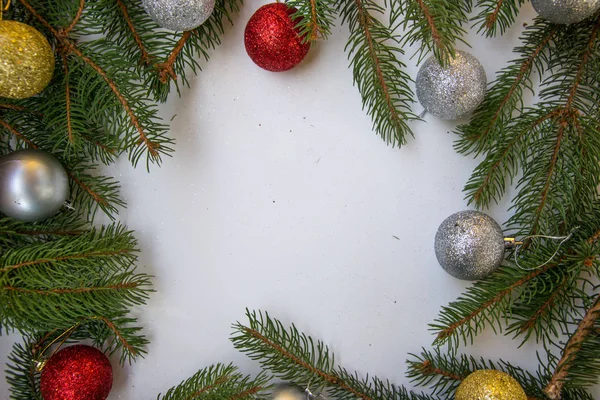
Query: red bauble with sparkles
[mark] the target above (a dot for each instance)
(76, 373)
(271, 40)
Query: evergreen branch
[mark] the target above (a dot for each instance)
(54, 291)
(443, 373)
(13, 107)
(78, 256)
(166, 69)
(129, 348)
(146, 57)
(153, 147)
(314, 18)
(218, 381)
(378, 73)
(196, 45)
(470, 316)
(555, 385)
(21, 374)
(497, 14)
(436, 25)
(17, 134)
(504, 97)
(76, 19)
(96, 196)
(293, 356)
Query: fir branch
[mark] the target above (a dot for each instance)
(314, 18)
(293, 356)
(554, 388)
(146, 58)
(152, 143)
(443, 373)
(76, 19)
(218, 381)
(490, 118)
(436, 25)
(166, 69)
(482, 302)
(496, 16)
(17, 134)
(182, 55)
(378, 72)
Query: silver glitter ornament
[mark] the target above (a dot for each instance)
(453, 91)
(33, 185)
(469, 245)
(566, 11)
(179, 15)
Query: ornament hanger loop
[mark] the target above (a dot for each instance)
(562, 239)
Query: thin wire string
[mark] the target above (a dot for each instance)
(562, 239)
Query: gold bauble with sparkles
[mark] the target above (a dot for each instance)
(487, 384)
(26, 60)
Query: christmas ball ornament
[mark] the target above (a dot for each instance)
(469, 245)
(26, 60)
(489, 384)
(453, 91)
(271, 39)
(77, 372)
(566, 11)
(286, 391)
(179, 15)
(33, 185)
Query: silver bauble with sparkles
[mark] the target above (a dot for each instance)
(566, 11)
(33, 185)
(453, 91)
(469, 245)
(179, 15)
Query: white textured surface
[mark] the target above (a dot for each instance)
(280, 197)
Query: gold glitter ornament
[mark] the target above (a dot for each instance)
(487, 384)
(26, 60)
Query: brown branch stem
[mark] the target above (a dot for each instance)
(146, 57)
(554, 388)
(491, 18)
(97, 198)
(166, 69)
(91, 254)
(59, 291)
(68, 100)
(18, 134)
(75, 19)
(117, 333)
(315, 29)
(427, 368)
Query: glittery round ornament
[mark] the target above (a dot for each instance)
(469, 245)
(487, 384)
(566, 11)
(26, 60)
(179, 15)
(286, 391)
(77, 372)
(271, 39)
(453, 91)
(33, 185)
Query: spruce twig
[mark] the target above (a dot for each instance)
(554, 388)
(379, 74)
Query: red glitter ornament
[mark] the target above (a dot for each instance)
(77, 372)
(271, 40)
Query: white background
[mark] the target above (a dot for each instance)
(280, 197)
